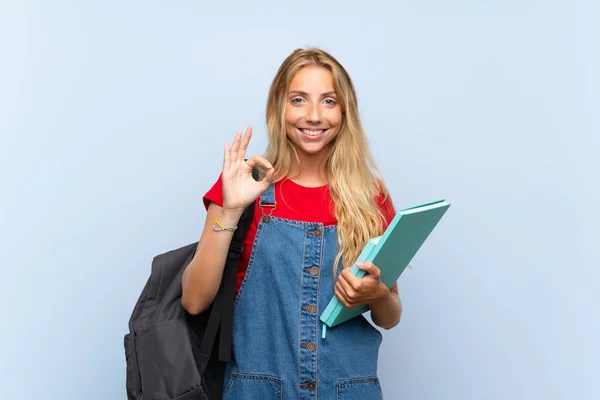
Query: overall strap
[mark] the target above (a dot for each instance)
(267, 201)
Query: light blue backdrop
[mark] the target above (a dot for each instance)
(112, 120)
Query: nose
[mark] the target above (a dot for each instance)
(313, 114)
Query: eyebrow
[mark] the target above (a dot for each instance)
(300, 92)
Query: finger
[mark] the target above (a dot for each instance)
(226, 157)
(370, 268)
(341, 296)
(256, 160)
(244, 143)
(235, 147)
(345, 284)
(270, 177)
(353, 281)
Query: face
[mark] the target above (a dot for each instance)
(312, 114)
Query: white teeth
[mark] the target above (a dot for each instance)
(312, 133)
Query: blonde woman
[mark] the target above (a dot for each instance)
(316, 206)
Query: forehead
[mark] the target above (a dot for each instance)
(312, 79)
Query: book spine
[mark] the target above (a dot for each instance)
(365, 256)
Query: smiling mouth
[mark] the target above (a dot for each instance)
(313, 132)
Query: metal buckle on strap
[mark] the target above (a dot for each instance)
(271, 206)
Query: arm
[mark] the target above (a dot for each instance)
(386, 312)
(202, 277)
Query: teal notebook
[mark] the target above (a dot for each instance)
(391, 253)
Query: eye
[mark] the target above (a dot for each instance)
(330, 102)
(297, 100)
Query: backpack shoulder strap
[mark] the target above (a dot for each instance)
(221, 313)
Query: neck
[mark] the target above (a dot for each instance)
(310, 171)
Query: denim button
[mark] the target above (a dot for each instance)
(312, 308)
(266, 218)
(314, 271)
(317, 232)
(312, 346)
(309, 385)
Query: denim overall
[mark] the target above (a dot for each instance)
(278, 350)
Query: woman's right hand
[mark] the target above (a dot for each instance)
(239, 187)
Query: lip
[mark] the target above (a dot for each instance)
(309, 137)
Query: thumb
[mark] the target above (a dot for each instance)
(270, 175)
(370, 268)
(267, 180)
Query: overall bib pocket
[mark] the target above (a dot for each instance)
(358, 388)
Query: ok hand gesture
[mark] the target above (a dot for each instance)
(239, 187)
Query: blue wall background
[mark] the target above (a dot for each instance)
(112, 120)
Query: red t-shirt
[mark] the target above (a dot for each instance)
(294, 202)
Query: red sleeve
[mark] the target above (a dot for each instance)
(387, 208)
(215, 194)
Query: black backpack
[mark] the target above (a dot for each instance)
(171, 354)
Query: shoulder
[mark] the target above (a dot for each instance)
(385, 204)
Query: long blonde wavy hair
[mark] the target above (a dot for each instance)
(349, 165)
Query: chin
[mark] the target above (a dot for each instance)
(312, 150)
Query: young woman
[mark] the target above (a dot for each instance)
(317, 205)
